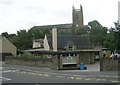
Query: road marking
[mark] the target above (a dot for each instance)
(46, 75)
(70, 77)
(78, 78)
(90, 78)
(115, 81)
(100, 79)
(32, 73)
(6, 71)
(12, 69)
(40, 74)
(9, 71)
(3, 78)
(60, 76)
(87, 79)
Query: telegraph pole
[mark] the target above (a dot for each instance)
(117, 32)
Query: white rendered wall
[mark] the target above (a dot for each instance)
(54, 39)
(46, 45)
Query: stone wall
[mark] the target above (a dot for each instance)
(87, 57)
(70, 66)
(42, 62)
(55, 61)
(108, 64)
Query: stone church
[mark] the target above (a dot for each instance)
(69, 50)
(70, 28)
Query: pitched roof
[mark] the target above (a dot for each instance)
(62, 40)
(4, 39)
(61, 26)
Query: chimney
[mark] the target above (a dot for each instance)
(54, 39)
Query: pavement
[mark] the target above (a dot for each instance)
(93, 67)
(90, 68)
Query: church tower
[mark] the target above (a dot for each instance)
(77, 17)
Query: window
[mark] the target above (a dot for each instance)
(70, 48)
(71, 54)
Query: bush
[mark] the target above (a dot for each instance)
(26, 56)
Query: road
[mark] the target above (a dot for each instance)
(30, 74)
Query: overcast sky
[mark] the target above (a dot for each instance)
(24, 14)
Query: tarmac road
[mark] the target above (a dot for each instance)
(29, 74)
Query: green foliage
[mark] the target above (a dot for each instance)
(94, 30)
(94, 24)
(23, 39)
(5, 34)
(26, 56)
(99, 36)
(109, 41)
(112, 39)
(83, 30)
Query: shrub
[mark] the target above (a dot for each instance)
(26, 56)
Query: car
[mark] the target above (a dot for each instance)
(115, 55)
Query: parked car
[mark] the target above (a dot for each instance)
(115, 55)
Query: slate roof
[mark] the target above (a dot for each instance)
(61, 26)
(62, 40)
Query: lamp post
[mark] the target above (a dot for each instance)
(88, 34)
(32, 40)
(33, 37)
(117, 32)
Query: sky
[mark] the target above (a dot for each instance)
(17, 15)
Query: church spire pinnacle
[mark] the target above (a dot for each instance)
(81, 8)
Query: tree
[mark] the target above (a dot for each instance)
(84, 30)
(95, 31)
(5, 34)
(23, 39)
(111, 40)
(94, 24)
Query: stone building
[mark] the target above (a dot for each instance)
(70, 28)
(77, 17)
(68, 51)
(38, 43)
(6, 48)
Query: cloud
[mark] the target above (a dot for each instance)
(6, 2)
(16, 14)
